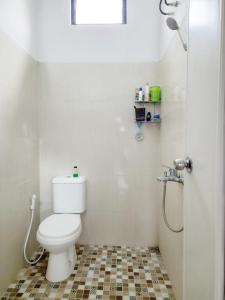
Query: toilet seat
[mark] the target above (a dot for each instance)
(60, 226)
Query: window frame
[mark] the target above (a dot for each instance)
(124, 14)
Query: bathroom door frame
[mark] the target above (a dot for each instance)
(220, 226)
(220, 205)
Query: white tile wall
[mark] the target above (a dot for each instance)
(87, 119)
(18, 155)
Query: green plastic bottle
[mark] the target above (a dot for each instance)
(155, 93)
(75, 172)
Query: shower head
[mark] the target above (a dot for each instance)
(172, 24)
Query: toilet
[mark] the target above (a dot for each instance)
(59, 232)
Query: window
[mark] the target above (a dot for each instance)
(84, 12)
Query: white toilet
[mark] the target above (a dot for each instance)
(59, 232)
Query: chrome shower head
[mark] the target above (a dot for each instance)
(172, 24)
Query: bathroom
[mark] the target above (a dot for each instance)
(67, 94)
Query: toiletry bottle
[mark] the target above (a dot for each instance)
(146, 92)
(148, 117)
(75, 172)
(136, 95)
(149, 94)
(156, 117)
(155, 93)
(140, 96)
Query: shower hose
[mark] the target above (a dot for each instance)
(31, 262)
(164, 212)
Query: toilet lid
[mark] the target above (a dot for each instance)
(60, 225)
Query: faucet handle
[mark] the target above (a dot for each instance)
(167, 173)
(171, 171)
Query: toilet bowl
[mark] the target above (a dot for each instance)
(58, 234)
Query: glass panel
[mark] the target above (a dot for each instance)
(99, 12)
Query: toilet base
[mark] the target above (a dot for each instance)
(61, 265)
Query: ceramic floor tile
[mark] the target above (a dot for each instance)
(101, 272)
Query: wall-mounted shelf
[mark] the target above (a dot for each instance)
(147, 102)
(141, 114)
(150, 122)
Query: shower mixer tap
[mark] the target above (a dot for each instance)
(171, 175)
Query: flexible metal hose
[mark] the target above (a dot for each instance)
(31, 262)
(164, 212)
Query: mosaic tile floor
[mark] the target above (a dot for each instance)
(100, 273)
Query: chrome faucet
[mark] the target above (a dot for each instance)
(171, 175)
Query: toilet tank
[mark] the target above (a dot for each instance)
(69, 195)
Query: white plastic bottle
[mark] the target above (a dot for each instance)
(140, 95)
(146, 92)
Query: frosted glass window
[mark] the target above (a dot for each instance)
(98, 12)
